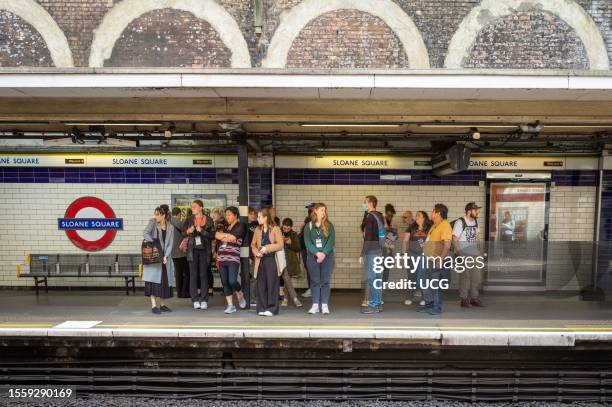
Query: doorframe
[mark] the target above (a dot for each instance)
(520, 178)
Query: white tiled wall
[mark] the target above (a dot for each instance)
(572, 218)
(344, 206)
(29, 213)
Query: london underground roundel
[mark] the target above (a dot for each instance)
(90, 223)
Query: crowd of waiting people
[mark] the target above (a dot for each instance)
(198, 241)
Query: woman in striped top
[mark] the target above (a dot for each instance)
(228, 258)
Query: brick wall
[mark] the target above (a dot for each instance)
(20, 43)
(342, 38)
(533, 40)
(347, 39)
(170, 38)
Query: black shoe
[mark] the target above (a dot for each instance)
(156, 310)
(424, 308)
(370, 310)
(163, 308)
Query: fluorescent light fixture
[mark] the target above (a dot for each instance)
(585, 126)
(347, 125)
(65, 141)
(467, 126)
(111, 141)
(114, 124)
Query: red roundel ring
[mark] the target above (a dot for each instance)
(107, 211)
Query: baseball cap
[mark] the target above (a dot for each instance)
(310, 205)
(471, 205)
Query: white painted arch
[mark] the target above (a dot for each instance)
(35, 15)
(123, 13)
(295, 19)
(490, 10)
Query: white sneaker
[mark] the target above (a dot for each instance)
(230, 309)
(422, 303)
(242, 302)
(204, 305)
(307, 294)
(314, 309)
(261, 314)
(268, 314)
(408, 302)
(196, 305)
(324, 309)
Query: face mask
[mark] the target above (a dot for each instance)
(364, 207)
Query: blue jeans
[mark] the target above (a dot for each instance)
(434, 296)
(229, 278)
(320, 278)
(374, 294)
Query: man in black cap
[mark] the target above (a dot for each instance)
(466, 239)
(304, 254)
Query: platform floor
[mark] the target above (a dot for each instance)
(114, 310)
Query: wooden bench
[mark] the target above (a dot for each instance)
(41, 267)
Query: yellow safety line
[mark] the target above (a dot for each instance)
(24, 325)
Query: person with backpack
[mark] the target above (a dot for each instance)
(373, 229)
(466, 239)
(292, 251)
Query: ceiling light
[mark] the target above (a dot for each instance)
(474, 133)
(347, 125)
(114, 124)
(586, 126)
(112, 141)
(465, 126)
(64, 141)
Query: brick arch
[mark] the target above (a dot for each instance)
(295, 19)
(120, 16)
(489, 10)
(45, 25)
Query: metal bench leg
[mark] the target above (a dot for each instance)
(46, 286)
(36, 284)
(134, 285)
(127, 287)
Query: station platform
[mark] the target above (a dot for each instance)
(506, 320)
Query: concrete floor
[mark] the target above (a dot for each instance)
(115, 309)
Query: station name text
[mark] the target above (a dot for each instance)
(359, 163)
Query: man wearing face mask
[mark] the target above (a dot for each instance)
(373, 230)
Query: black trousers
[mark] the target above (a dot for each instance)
(304, 256)
(181, 272)
(268, 284)
(198, 269)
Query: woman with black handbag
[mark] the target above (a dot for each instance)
(157, 268)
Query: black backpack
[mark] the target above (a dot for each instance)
(381, 228)
(463, 223)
